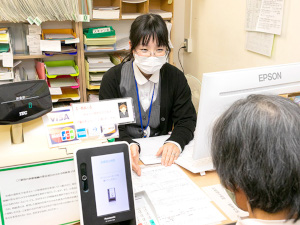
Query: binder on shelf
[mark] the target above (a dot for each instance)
(62, 67)
(99, 32)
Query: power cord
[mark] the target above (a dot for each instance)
(179, 58)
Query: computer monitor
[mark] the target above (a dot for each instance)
(220, 89)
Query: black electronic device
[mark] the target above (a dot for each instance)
(105, 185)
(24, 101)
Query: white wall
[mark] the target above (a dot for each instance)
(178, 30)
(219, 35)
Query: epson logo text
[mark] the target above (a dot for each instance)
(269, 76)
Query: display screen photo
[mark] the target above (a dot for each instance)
(110, 184)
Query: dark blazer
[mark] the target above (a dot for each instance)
(176, 107)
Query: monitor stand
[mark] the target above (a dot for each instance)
(16, 133)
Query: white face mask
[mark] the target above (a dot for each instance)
(149, 65)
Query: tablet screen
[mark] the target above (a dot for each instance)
(110, 183)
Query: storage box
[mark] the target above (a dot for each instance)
(99, 32)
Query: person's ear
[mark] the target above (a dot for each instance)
(241, 199)
(130, 45)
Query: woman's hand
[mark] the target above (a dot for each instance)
(170, 152)
(135, 157)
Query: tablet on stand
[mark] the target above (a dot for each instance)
(105, 185)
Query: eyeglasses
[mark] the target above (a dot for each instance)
(147, 53)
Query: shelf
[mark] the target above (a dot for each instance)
(39, 56)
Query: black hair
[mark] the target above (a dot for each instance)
(256, 148)
(144, 28)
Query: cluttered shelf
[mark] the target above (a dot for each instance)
(37, 56)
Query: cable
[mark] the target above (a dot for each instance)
(179, 58)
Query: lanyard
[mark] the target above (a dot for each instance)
(138, 98)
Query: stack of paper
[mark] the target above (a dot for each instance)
(176, 199)
(123, 44)
(6, 75)
(162, 13)
(103, 12)
(63, 82)
(99, 39)
(34, 39)
(60, 70)
(58, 36)
(57, 41)
(64, 49)
(39, 11)
(129, 16)
(97, 66)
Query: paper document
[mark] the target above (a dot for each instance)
(106, 13)
(123, 44)
(60, 70)
(149, 147)
(50, 45)
(99, 59)
(55, 91)
(162, 13)
(195, 166)
(63, 82)
(42, 193)
(72, 41)
(8, 59)
(101, 65)
(169, 27)
(130, 15)
(261, 43)
(34, 29)
(176, 199)
(264, 16)
(67, 93)
(96, 76)
(218, 194)
(106, 7)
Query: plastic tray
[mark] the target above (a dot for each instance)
(65, 76)
(58, 31)
(103, 50)
(100, 41)
(61, 63)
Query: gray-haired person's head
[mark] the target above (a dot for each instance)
(256, 148)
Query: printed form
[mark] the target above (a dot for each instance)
(264, 16)
(176, 199)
